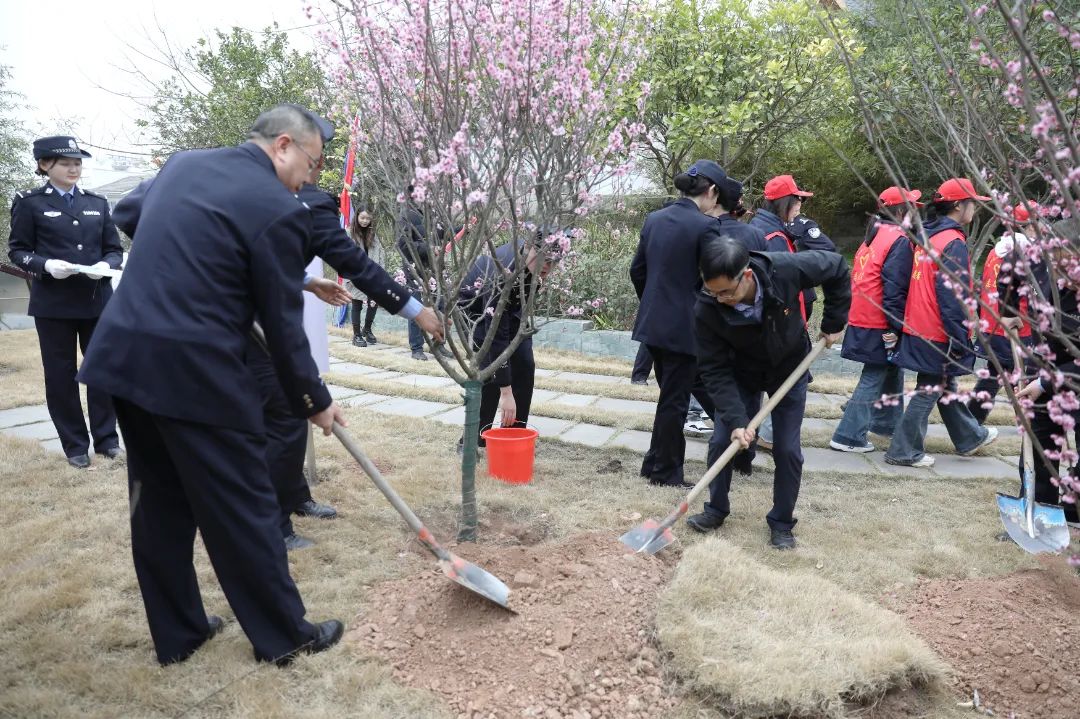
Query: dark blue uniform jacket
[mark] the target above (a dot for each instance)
(220, 240)
(737, 351)
(863, 344)
(752, 238)
(44, 228)
(956, 356)
(665, 274)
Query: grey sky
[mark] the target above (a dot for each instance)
(65, 56)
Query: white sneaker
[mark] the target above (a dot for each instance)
(851, 448)
(698, 428)
(991, 435)
(925, 461)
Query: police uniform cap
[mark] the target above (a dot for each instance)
(708, 169)
(58, 146)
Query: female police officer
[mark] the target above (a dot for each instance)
(54, 229)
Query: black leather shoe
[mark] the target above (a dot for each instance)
(216, 624)
(327, 634)
(369, 337)
(681, 484)
(79, 461)
(112, 453)
(704, 522)
(782, 538)
(295, 541)
(419, 355)
(311, 508)
(359, 341)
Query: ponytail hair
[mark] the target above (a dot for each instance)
(692, 185)
(935, 210)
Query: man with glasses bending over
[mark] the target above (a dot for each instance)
(751, 337)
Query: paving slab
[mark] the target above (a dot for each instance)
(877, 460)
(385, 374)
(541, 372)
(23, 415)
(335, 360)
(636, 406)
(633, 439)
(364, 399)
(1013, 460)
(354, 369)
(947, 465)
(52, 445)
(337, 392)
(816, 459)
(590, 435)
(410, 407)
(423, 380)
(544, 395)
(455, 417)
(38, 430)
(550, 426)
(575, 400)
(589, 377)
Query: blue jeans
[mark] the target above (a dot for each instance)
(910, 436)
(416, 337)
(861, 415)
(787, 456)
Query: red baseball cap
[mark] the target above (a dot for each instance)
(899, 196)
(1023, 212)
(782, 186)
(956, 189)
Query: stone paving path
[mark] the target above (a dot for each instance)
(33, 422)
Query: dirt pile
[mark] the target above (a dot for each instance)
(1014, 639)
(580, 646)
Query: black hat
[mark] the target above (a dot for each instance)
(325, 128)
(708, 169)
(57, 146)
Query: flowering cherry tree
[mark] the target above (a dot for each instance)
(494, 122)
(1002, 109)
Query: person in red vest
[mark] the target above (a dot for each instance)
(937, 339)
(788, 230)
(879, 287)
(1013, 240)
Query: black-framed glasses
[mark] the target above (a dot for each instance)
(730, 292)
(312, 162)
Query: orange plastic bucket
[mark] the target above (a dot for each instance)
(510, 453)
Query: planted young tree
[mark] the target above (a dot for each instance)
(501, 118)
(996, 92)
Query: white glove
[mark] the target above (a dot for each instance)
(97, 266)
(60, 269)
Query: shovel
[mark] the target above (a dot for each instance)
(1034, 526)
(464, 573)
(651, 536)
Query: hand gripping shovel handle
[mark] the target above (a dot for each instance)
(734, 447)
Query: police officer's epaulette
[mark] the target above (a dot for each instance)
(39, 190)
(94, 194)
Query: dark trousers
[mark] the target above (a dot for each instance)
(363, 314)
(787, 455)
(416, 337)
(522, 375)
(286, 439)
(184, 476)
(1045, 490)
(677, 375)
(58, 338)
(642, 364)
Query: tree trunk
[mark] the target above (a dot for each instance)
(467, 531)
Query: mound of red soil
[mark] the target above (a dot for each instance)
(1014, 639)
(579, 646)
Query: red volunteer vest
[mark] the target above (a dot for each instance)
(791, 248)
(989, 306)
(922, 315)
(867, 289)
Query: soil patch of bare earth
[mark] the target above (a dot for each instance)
(1015, 639)
(580, 645)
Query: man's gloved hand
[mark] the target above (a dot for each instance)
(60, 269)
(98, 266)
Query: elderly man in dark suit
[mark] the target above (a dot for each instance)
(220, 241)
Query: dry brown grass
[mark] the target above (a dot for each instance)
(21, 375)
(74, 636)
(767, 643)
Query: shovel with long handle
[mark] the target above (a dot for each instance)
(652, 536)
(1036, 527)
(464, 573)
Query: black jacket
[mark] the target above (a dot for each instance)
(220, 240)
(479, 297)
(44, 228)
(348, 259)
(412, 244)
(666, 277)
(734, 350)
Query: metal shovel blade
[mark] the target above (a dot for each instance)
(648, 537)
(475, 579)
(1047, 531)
